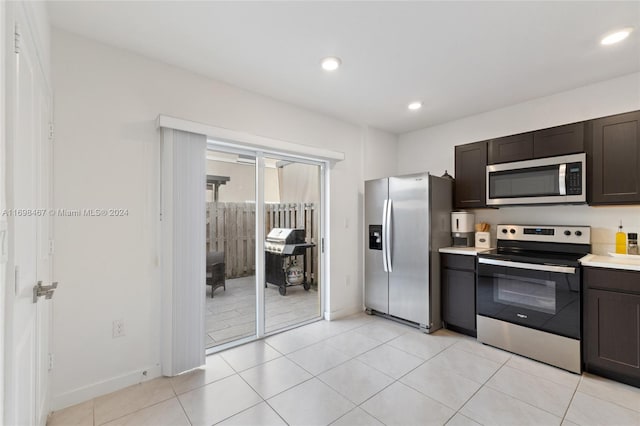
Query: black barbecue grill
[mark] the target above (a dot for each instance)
(282, 248)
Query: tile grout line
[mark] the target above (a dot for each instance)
(478, 390)
(395, 380)
(571, 400)
(254, 390)
(537, 377)
(606, 400)
(313, 376)
(398, 380)
(184, 410)
(202, 385)
(139, 409)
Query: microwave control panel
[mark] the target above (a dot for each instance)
(574, 179)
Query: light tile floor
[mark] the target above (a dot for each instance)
(365, 370)
(231, 313)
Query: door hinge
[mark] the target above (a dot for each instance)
(50, 361)
(51, 247)
(16, 38)
(51, 131)
(322, 245)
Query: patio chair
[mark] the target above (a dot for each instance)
(215, 270)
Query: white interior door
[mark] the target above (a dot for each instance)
(44, 262)
(28, 191)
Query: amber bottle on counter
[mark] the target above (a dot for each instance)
(621, 241)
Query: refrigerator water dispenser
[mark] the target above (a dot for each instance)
(375, 237)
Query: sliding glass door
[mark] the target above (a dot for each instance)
(230, 304)
(292, 227)
(255, 288)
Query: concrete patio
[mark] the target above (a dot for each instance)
(230, 314)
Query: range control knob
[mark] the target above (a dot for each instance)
(578, 233)
(504, 230)
(513, 231)
(567, 233)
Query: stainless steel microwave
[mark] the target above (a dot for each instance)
(553, 180)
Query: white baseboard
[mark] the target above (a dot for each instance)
(104, 387)
(344, 312)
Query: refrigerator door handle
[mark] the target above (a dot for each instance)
(389, 235)
(384, 235)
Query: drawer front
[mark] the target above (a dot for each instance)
(458, 261)
(612, 279)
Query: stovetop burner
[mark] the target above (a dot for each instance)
(551, 245)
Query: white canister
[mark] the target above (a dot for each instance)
(462, 222)
(483, 239)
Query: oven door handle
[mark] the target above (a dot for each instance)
(531, 266)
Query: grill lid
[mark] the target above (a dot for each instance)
(286, 236)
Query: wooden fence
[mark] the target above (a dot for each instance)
(231, 229)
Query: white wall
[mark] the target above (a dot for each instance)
(433, 149)
(380, 154)
(107, 154)
(3, 204)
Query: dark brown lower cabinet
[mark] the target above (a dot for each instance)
(612, 324)
(459, 293)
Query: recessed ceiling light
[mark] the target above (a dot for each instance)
(331, 63)
(616, 37)
(415, 105)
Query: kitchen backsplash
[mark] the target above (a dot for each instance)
(603, 220)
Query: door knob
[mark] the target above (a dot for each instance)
(44, 290)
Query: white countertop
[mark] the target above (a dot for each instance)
(468, 251)
(599, 261)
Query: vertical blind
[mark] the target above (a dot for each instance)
(183, 181)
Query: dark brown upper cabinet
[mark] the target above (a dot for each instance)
(560, 140)
(470, 173)
(614, 159)
(511, 148)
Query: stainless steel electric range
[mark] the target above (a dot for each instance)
(529, 292)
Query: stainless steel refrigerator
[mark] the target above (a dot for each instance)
(407, 220)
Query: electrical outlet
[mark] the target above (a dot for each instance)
(118, 328)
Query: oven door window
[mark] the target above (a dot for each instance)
(530, 182)
(547, 301)
(531, 293)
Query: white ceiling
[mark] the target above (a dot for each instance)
(460, 58)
